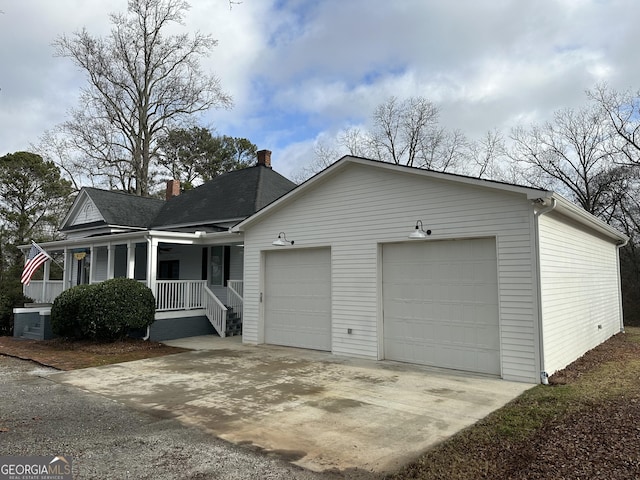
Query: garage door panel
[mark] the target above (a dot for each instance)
(440, 304)
(298, 298)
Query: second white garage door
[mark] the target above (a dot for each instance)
(441, 304)
(297, 298)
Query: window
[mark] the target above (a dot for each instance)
(168, 269)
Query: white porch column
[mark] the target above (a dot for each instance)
(92, 263)
(110, 261)
(45, 279)
(152, 264)
(131, 259)
(66, 270)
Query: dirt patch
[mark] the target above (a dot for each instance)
(70, 355)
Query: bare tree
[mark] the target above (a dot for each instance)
(487, 154)
(574, 155)
(623, 112)
(140, 82)
(57, 148)
(325, 154)
(354, 141)
(404, 132)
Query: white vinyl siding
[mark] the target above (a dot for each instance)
(361, 207)
(100, 255)
(74, 271)
(86, 213)
(579, 293)
(189, 256)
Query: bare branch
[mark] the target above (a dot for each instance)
(141, 83)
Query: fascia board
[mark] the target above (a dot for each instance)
(75, 207)
(580, 215)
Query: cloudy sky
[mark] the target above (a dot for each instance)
(301, 70)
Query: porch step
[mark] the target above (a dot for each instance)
(33, 332)
(234, 323)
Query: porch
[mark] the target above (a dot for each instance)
(197, 284)
(176, 300)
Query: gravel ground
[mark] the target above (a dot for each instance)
(107, 440)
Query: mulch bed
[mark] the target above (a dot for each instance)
(597, 441)
(618, 347)
(600, 440)
(70, 355)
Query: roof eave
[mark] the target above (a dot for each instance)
(198, 224)
(573, 211)
(102, 240)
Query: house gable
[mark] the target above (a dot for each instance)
(345, 162)
(85, 213)
(543, 197)
(96, 211)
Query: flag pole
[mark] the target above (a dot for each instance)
(50, 257)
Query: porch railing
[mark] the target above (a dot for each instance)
(170, 295)
(179, 294)
(42, 291)
(234, 295)
(216, 311)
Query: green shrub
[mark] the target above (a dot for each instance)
(103, 311)
(11, 296)
(65, 309)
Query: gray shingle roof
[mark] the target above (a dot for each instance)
(233, 195)
(119, 208)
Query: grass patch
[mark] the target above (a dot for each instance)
(581, 424)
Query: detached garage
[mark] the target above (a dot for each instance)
(388, 262)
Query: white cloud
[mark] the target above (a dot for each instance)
(301, 69)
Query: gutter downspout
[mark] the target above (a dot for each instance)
(544, 376)
(620, 309)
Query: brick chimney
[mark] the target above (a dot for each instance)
(173, 189)
(264, 158)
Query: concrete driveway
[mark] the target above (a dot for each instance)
(315, 409)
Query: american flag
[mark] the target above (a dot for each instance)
(36, 257)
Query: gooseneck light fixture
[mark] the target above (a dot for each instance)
(419, 231)
(282, 241)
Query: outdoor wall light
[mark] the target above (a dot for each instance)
(419, 231)
(282, 241)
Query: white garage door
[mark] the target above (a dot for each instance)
(297, 299)
(441, 304)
